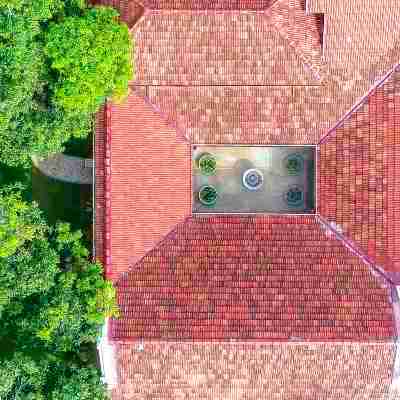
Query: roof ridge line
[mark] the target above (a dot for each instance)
(156, 246)
(388, 284)
(142, 3)
(134, 28)
(396, 316)
(306, 61)
(157, 110)
(357, 251)
(208, 10)
(259, 342)
(107, 188)
(359, 103)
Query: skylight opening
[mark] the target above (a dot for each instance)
(253, 179)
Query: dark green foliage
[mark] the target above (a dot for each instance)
(49, 89)
(78, 147)
(208, 195)
(79, 384)
(10, 175)
(96, 66)
(44, 378)
(54, 301)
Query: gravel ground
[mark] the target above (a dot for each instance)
(66, 168)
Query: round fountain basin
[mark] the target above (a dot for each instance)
(253, 179)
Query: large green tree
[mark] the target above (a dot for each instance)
(49, 90)
(28, 264)
(89, 70)
(53, 303)
(26, 377)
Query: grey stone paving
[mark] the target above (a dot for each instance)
(66, 168)
(233, 161)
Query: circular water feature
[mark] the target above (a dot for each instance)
(294, 164)
(253, 179)
(294, 196)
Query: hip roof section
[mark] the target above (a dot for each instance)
(252, 278)
(246, 114)
(208, 4)
(358, 182)
(357, 32)
(253, 371)
(150, 188)
(202, 48)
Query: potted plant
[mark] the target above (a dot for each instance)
(207, 164)
(294, 196)
(208, 195)
(294, 164)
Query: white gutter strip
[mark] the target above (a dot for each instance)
(394, 392)
(108, 360)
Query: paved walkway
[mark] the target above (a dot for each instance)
(66, 168)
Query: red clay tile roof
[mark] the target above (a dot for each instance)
(358, 32)
(245, 114)
(209, 4)
(202, 48)
(209, 114)
(284, 125)
(99, 185)
(301, 30)
(188, 4)
(305, 122)
(252, 278)
(151, 181)
(251, 371)
(358, 184)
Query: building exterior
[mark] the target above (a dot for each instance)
(251, 305)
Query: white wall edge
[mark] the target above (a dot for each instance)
(107, 356)
(395, 386)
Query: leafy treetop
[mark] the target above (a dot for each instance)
(50, 90)
(53, 303)
(89, 71)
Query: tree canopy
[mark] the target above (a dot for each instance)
(49, 90)
(53, 298)
(53, 303)
(27, 378)
(88, 70)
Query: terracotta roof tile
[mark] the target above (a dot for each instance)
(99, 184)
(209, 4)
(247, 114)
(252, 278)
(301, 30)
(145, 205)
(211, 371)
(358, 32)
(312, 109)
(358, 174)
(202, 48)
(238, 114)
